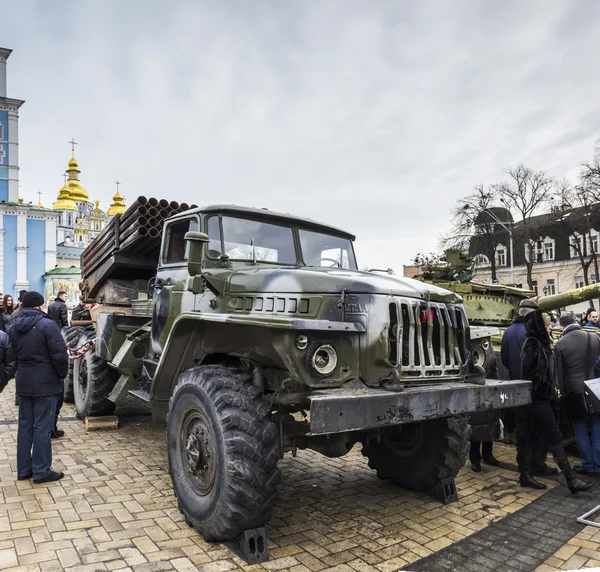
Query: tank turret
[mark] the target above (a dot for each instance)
(556, 301)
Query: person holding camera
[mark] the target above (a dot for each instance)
(576, 353)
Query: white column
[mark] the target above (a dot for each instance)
(4, 53)
(2, 252)
(21, 283)
(50, 251)
(13, 155)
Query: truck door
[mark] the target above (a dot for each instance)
(171, 296)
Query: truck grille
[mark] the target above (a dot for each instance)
(427, 339)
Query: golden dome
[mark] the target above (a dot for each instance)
(64, 201)
(76, 191)
(118, 206)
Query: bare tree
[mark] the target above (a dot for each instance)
(525, 192)
(471, 220)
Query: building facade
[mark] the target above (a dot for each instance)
(560, 237)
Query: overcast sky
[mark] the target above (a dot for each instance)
(372, 116)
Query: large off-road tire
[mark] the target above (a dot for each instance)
(93, 380)
(223, 452)
(418, 455)
(71, 335)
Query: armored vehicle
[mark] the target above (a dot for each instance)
(252, 334)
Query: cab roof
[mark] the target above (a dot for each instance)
(270, 216)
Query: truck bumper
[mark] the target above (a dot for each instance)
(356, 407)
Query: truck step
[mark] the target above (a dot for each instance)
(149, 367)
(140, 394)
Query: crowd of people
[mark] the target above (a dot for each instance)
(557, 377)
(33, 351)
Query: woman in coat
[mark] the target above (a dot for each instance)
(537, 365)
(7, 310)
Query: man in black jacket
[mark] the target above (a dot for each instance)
(531, 459)
(8, 364)
(42, 363)
(575, 355)
(58, 312)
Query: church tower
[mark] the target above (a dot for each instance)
(27, 231)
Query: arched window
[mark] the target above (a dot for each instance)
(70, 220)
(481, 260)
(501, 255)
(1, 132)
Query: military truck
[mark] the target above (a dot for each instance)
(251, 334)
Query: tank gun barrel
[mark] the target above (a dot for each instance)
(556, 301)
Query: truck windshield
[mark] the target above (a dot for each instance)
(245, 239)
(326, 250)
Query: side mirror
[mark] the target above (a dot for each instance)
(196, 241)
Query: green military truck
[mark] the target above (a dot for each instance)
(252, 334)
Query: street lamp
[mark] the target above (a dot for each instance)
(510, 237)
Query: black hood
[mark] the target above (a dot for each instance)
(535, 327)
(28, 318)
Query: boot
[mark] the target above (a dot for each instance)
(491, 460)
(574, 483)
(526, 480)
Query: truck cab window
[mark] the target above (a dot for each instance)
(176, 249)
(214, 237)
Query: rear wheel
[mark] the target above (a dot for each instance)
(417, 455)
(223, 452)
(93, 380)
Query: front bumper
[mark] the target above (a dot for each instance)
(356, 407)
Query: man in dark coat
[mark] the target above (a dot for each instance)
(81, 312)
(575, 355)
(8, 364)
(42, 363)
(58, 311)
(532, 446)
(485, 427)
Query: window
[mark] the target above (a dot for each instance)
(534, 286)
(550, 287)
(576, 244)
(1, 132)
(500, 255)
(176, 247)
(548, 251)
(481, 260)
(245, 239)
(319, 249)
(578, 281)
(593, 243)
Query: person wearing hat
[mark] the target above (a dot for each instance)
(42, 363)
(532, 446)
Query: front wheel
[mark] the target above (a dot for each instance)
(223, 452)
(417, 455)
(71, 335)
(93, 380)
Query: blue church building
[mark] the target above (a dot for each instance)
(27, 232)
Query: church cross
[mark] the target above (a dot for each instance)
(73, 143)
(39, 194)
(117, 183)
(65, 178)
(2, 155)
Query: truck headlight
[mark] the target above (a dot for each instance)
(324, 359)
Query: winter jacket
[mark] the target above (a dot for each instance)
(41, 353)
(575, 355)
(485, 425)
(591, 325)
(537, 361)
(8, 364)
(512, 344)
(58, 312)
(5, 317)
(16, 312)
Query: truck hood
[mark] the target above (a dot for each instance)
(324, 281)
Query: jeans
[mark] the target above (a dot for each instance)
(475, 454)
(34, 445)
(532, 443)
(588, 446)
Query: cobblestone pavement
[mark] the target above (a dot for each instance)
(115, 510)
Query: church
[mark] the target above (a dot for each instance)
(40, 247)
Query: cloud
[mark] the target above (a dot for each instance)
(374, 117)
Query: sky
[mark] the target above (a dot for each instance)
(375, 117)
